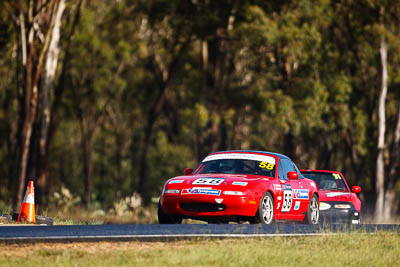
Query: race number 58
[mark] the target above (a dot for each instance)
(287, 200)
(268, 166)
(209, 181)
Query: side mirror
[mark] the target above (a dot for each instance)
(356, 189)
(293, 175)
(188, 171)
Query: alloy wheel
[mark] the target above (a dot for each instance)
(267, 209)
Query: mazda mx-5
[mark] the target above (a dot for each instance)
(238, 185)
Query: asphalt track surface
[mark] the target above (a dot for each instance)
(156, 232)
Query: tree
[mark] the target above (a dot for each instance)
(37, 22)
(380, 172)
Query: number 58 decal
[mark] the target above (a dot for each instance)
(287, 198)
(268, 166)
(209, 181)
(337, 176)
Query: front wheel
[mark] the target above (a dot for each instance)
(312, 215)
(265, 213)
(164, 218)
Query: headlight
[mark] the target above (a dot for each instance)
(172, 191)
(233, 193)
(324, 206)
(342, 206)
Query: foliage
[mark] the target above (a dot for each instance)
(146, 88)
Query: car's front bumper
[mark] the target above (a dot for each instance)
(340, 215)
(194, 206)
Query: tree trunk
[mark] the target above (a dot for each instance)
(380, 172)
(59, 92)
(50, 71)
(32, 61)
(87, 137)
(87, 144)
(393, 164)
(151, 119)
(167, 72)
(26, 137)
(31, 101)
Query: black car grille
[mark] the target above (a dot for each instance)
(202, 207)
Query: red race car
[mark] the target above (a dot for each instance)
(337, 202)
(240, 186)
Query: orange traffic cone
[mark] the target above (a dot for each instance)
(28, 205)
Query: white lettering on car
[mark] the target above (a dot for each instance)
(209, 181)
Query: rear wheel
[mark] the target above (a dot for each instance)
(312, 215)
(164, 218)
(265, 213)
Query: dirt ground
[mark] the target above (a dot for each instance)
(19, 250)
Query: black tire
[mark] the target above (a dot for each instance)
(312, 215)
(43, 220)
(265, 212)
(164, 218)
(38, 219)
(15, 216)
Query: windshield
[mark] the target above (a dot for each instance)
(237, 166)
(327, 181)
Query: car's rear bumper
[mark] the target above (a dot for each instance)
(209, 206)
(340, 215)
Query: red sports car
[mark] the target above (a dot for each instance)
(239, 185)
(337, 202)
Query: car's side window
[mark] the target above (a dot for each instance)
(297, 170)
(280, 171)
(287, 166)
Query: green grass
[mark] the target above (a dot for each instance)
(382, 249)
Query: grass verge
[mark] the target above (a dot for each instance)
(381, 249)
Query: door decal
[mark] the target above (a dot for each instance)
(287, 198)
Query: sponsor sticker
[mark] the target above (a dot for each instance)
(277, 187)
(300, 193)
(256, 157)
(297, 205)
(209, 181)
(176, 182)
(201, 191)
(240, 183)
(279, 198)
(219, 200)
(287, 187)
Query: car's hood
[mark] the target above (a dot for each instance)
(334, 195)
(228, 179)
